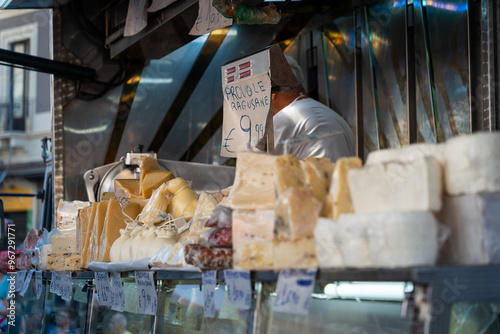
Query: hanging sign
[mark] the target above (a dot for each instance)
(239, 289)
(103, 288)
(55, 283)
(209, 19)
(293, 291)
(21, 275)
(38, 284)
(118, 300)
(146, 292)
(137, 17)
(67, 287)
(209, 279)
(26, 283)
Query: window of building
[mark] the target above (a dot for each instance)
(19, 89)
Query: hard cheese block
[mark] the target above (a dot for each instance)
(289, 173)
(90, 229)
(84, 218)
(297, 212)
(397, 186)
(472, 164)
(147, 164)
(339, 198)
(252, 227)
(63, 261)
(152, 180)
(115, 220)
(475, 229)
(408, 154)
(300, 254)
(319, 173)
(100, 219)
(254, 182)
(329, 255)
(127, 188)
(65, 243)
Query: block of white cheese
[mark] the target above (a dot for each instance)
(65, 243)
(473, 164)
(327, 251)
(256, 256)
(253, 186)
(339, 198)
(474, 221)
(319, 173)
(299, 254)
(397, 186)
(297, 212)
(408, 154)
(403, 239)
(63, 262)
(353, 242)
(288, 173)
(251, 227)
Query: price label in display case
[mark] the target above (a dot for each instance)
(67, 287)
(118, 303)
(56, 284)
(239, 289)
(146, 292)
(26, 283)
(21, 275)
(293, 291)
(103, 288)
(38, 284)
(209, 279)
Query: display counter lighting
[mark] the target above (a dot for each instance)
(387, 291)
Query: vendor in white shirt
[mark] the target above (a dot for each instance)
(296, 114)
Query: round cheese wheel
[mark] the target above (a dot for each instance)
(114, 252)
(176, 184)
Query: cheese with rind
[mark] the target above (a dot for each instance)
(114, 222)
(127, 188)
(288, 173)
(299, 254)
(319, 172)
(339, 198)
(152, 180)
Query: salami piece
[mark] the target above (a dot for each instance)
(219, 237)
(208, 258)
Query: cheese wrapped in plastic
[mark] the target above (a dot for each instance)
(156, 209)
(208, 258)
(67, 215)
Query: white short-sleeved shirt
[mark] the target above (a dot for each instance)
(308, 116)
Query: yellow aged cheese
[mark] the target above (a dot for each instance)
(297, 212)
(319, 173)
(157, 205)
(258, 256)
(115, 220)
(182, 199)
(132, 210)
(288, 173)
(339, 198)
(84, 217)
(300, 254)
(90, 229)
(127, 188)
(176, 184)
(63, 261)
(100, 219)
(153, 180)
(254, 182)
(146, 165)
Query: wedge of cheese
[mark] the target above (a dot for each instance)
(288, 173)
(127, 188)
(132, 210)
(84, 218)
(319, 173)
(152, 180)
(300, 254)
(297, 212)
(114, 221)
(102, 208)
(397, 186)
(339, 198)
(90, 229)
(147, 164)
(253, 186)
(472, 164)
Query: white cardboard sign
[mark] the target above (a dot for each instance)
(209, 19)
(293, 291)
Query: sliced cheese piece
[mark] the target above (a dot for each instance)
(127, 188)
(100, 219)
(115, 220)
(397, 186)
(300, 254)
(88, 239)
(181, 199)
(65, 243)
(475, 230)
(84, 216)
(472, 164)
(256, 256)
(339, 198)
(152, 180)
(157, 206)
(254, 182)
(319, 172)
(329, 255)
(288, 173)
(297, 212)
(63, 262)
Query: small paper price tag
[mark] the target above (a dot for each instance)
(21, 275)
(293, 291)
(118, 303)
(26, 283)
(103, 288)
(146, 292)
(56, 284)
(209, 19)
(67, 287)
(209, 279)
(239, 289)
(38, 284)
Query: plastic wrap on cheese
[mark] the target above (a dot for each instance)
(208, 258)
(67, 215)
(156, 209)
(218, 237)
(221, 216)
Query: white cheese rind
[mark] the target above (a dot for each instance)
(473, 164)
(397, 186)
(329, 255)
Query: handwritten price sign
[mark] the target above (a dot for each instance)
(118, 303)
(146, 292)
(103, 288)
(209, 280)
(209, 19)
(293, 291)
(239, 289)
(247, 104)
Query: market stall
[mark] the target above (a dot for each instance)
(156, 230)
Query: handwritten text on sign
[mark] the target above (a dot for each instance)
(209, 279)
(38, 284)
(118, 303)
(56, 284)
(209, 19)
(293, 291)
(67, 288)
(239, 289)
(146, 292)
(103, 288)
(246, 107)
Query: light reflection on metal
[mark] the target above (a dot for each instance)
(453, 7)
(133, 79)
